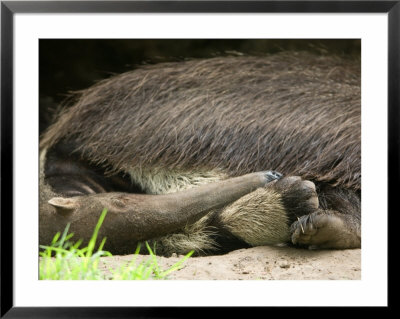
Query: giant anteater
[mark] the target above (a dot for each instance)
(187, 154)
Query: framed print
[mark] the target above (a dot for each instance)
(224, 144)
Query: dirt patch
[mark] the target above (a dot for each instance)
(268, 263)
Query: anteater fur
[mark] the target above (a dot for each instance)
(168, 127)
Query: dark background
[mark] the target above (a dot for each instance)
(67, 65)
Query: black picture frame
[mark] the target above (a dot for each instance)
(9, 8)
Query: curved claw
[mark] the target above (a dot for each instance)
(273, 175)
(64, 205)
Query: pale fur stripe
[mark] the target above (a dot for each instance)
(42, 161)
(258, 218)
(162, 181)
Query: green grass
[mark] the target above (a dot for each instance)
(64, 260)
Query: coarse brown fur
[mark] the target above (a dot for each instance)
(295, 112)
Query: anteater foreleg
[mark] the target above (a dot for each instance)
(136, 217)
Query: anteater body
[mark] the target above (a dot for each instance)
(181, 153)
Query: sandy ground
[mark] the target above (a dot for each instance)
(269, 263)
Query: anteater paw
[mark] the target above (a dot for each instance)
(298, 196)
(323, 229)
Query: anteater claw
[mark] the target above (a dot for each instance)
(272, 175)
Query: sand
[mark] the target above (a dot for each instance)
(261, 263)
